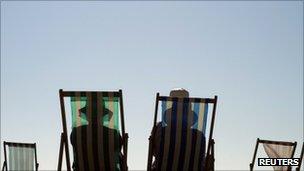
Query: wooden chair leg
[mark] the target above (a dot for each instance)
(212, 155)
(251, 166)
(37, 165)
(149, 166)
(209, 161)
(126, 137)
(60, 153)
(125, 150)
(4, 166)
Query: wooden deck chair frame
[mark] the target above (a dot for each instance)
(64, 144)
(210, 148)
(294, 144)
(301, 158)
(33, 145)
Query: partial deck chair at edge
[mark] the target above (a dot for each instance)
(301, 158)
(96, 144)
(275, 149)
(181, 146)
(21, 156)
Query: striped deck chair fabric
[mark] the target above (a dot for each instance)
(182, 144)
(95, 131)
(21, 156)
(275, 149)
(279, 151)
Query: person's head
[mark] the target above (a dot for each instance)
(180, 93)
(95, 115)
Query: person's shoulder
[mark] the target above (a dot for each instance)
(79, 127)
(115, 131)
(198, 132)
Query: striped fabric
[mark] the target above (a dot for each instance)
(95, 131)
(21, 157)
(182, 144)
(278, 151)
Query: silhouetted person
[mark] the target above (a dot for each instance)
(161, 127)
(94, 127)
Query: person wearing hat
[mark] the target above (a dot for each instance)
(93, 122)
(161, 127)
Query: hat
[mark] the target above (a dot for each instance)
(179, 92)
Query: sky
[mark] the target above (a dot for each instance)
(250, 54)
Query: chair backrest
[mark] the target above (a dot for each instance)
(95, 132)
(21, 156)
(183, 131)
(276, 149)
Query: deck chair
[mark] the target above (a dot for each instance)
(181, 148)
(21, 156)
(275, 149)
(301, 158)
(96, 137)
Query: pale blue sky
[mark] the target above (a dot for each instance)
(250, 54)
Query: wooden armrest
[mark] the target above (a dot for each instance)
(4, 166)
